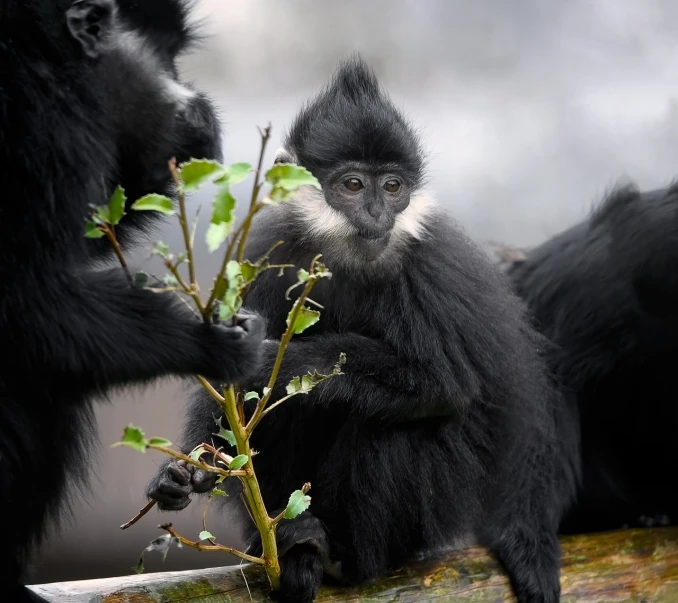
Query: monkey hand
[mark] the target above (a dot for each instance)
(233, 348)
(303, 547)
(175, 482)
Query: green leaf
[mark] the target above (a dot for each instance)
(159, 442)
(305, 318)
(321, 271)
(205, 535)
(233, 273)
(251, 396)
(231, 301)
(196, 172)
(92, 231)
(160, 249)
(218, 491)
(238, 462)
(266, 391)
(216, 235)
(223, 218)
(297, 504)
(303, 275)
(234, 173)
(116, 205)
(170, 280)
(223, 206)
(141, 278)
(139, 567)
(134, 438)
(249, 271)
(293, 386)
(102, 215)
(224, 434)
(289, 177)
(197, 453)
(154, 202)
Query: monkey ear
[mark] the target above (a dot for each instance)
(89, 22)
(284, 156)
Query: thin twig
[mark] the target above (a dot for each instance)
(186, 233)
(110, 235)
(210, 547)
(265, 137)
(149, 505)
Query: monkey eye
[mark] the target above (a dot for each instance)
(392, 186)
(353, 184)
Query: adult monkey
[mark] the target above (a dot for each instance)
(443, 428)
(606, 292)
(88, 99)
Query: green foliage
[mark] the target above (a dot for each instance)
(116, 205)
(161, 442)
(92, 231)
(223, 218)
(251, 396)
(105, 216)
(141, 278)
(205, 535)
(286, 178)
(238, 462)
(134, 438)
(304, 319)
(304, 384)
(196, 172)
(224, 434)
(297, 504)
(197, 453)
(154, 202)
(160, 545)
(160, 249)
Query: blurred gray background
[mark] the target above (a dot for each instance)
(530, 110)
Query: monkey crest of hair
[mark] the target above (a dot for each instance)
(90, 98)
(354, 120)
(606, 291)
(444, 428)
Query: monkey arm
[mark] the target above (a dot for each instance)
(96, 330)
(377, 384)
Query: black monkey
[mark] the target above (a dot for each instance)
(88, 99)
(443, 429)
(606, 292)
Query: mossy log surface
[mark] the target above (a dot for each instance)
(634, 566)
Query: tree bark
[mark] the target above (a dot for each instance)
(634, 566)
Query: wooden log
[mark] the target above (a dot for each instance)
(634, 566)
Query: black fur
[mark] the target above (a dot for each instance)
(606, 291)
(78, 115)
(443, 428)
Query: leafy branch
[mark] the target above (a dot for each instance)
(225, 299)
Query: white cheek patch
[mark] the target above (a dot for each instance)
(319, 219)
(282, 155)
(177, 92)
(412, 221)
(143, 56)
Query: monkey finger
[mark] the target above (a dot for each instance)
(179, 473)
(203, 481)
(168, 487)
(174, 504)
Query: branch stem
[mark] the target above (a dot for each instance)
(188, 242)
(282, 348)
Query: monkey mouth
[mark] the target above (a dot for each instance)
(373, 235)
